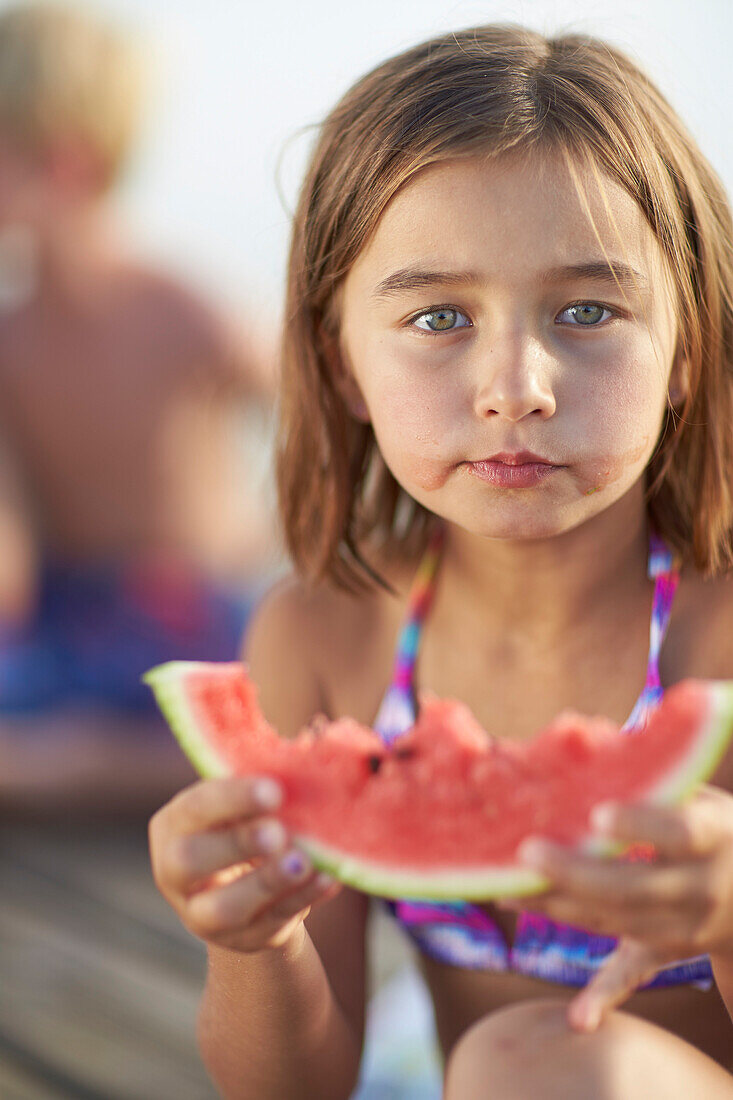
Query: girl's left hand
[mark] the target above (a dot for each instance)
(679, 906)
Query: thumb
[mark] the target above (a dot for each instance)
(627, 967)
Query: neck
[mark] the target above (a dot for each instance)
(541, 589)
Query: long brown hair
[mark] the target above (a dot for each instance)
(496, 89)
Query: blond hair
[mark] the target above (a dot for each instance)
(497, 89)
(65, 73)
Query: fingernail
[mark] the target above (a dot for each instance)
(602, 816)
(584, 1017)
(533, 852)
(294, 864)
(268, 793)
(269, 836)
(324, 881)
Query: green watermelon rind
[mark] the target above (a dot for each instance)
(168, 682)
(712, 739)
(469, 883)
(436, 885)
(513, 880)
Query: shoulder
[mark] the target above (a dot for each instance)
(291, 643)
(317, 649)
(708, 642)
(200, 336)
(705, 625)
(182, 310)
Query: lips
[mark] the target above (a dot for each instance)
(518, 459)
(518, 470)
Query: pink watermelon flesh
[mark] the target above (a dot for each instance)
(443, 809)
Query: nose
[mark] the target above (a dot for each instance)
(514, 381)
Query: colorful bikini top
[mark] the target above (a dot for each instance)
(459, 932)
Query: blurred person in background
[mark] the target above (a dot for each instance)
(127, 535)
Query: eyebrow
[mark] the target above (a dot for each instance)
(599, 271)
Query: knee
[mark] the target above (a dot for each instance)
(525, 1050)
(503, 1036)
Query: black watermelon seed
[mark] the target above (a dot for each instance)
(375, 763)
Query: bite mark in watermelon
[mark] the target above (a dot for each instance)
(441, 811)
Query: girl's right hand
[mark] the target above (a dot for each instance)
(228, 868)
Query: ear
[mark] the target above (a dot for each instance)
(344, 381)
(679, 379)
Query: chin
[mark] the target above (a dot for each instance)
(508, 527)
(523, 524)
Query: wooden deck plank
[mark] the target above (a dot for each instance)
(17, 1083)
(24, 1077)
(111, 867)
(93, 993)
(100, 981)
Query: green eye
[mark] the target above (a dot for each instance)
(441, 320)
(587, 314)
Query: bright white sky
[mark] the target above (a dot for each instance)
(236, 82)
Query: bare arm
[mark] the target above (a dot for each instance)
(219, 494)
(216, 444)
(719, 639)
(281, 1017)
(234, 354)
(723, 974)
(18, 553)
(270, 1026)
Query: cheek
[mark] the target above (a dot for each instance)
(414, 432)
(415, 472)
(608, 469)
(623, 428)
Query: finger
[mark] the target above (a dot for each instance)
(234, 906)
(592, 878)
(192, 858)
(603, 921)
(628, 967)
(214, 802)
(658, 928)
(273, 926)
(675, 831)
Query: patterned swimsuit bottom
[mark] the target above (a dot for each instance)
(462, 934)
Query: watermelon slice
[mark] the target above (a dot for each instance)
(441, 811)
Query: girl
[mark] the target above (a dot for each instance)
(506, 444)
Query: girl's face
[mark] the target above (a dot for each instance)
(482, 320)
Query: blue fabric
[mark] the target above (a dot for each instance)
(97, 629)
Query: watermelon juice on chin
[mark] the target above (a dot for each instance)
(441, 812)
